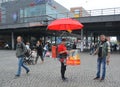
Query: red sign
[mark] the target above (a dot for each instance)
(32, 4)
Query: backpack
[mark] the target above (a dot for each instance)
(26, 51)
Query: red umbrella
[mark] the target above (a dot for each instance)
(65, 24)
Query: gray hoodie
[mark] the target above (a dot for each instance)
(20, 49)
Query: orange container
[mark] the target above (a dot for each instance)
(73, 59)
(54, 52)
(72, 62)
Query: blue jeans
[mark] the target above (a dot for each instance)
(21, 64)
(44, 53)
(92, 51)
(101, 61)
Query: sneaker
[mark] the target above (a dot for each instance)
(17, 75)
(101, 79)
(96, 78)
(42, 62)
(35, 62)
(65, 79)
(27, 71)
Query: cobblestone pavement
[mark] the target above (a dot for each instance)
(48, 73)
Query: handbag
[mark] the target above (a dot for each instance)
(62, 57)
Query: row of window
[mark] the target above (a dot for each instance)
(42, 12)
(2, 1)
(2, 15)
(33, 11)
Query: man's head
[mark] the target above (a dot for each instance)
(27, 43)
(47, 42)
(39, 42)
(102, 38)
(64, 41)
(19, 39)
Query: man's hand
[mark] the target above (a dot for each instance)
(66, 51)
(96, 51)
(108, 58)
(108, 61)
(72, 51)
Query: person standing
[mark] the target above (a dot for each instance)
(39, 49)
(45, 49)
(103, 52)
(28, 45)
(20, 53)
(74, 46)
(109, 43)
(92, 48)
(62, 51)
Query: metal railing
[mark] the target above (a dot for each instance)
(101, 12)
(87, 13)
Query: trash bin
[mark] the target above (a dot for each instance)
(54, 51)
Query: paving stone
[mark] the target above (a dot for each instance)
(48, 73)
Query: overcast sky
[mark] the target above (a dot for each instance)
(90, 4)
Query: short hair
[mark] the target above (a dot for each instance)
(102, 35)
(20, 37)
(63, 39)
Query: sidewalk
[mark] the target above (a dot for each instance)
(48, 73)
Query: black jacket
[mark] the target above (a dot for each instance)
(39, 50)
(20, 49)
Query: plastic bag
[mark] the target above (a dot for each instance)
(47, 54)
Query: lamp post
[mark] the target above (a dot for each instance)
(12, 39)
(82, 40)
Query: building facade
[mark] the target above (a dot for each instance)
(79, 12)
(19, 11)
(28, 18)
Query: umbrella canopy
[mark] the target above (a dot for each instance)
(65, 24)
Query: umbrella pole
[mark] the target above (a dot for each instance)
(82, 40)
(55, 39)
(62, 34)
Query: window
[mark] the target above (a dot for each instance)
(3, 1)
(34, 13)
(77, 11)
(3, 15)
(21, 13)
